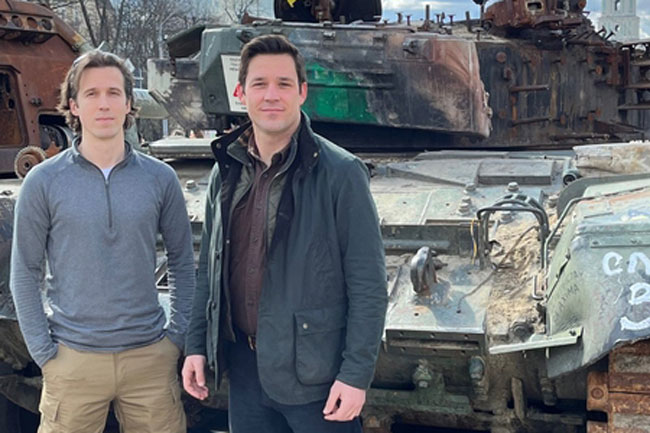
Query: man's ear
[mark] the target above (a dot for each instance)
(239, 93)
(74, 109)
(303, 92)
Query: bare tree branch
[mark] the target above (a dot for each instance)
(235, 9)
(60, 5)
(134, 27)
(89, 25)
(119, 23)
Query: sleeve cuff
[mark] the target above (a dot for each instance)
(41, 360)
(356, 382)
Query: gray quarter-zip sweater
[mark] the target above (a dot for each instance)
(98, 237)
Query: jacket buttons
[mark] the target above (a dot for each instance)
(305, 326)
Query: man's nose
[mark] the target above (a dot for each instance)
(271, 92)
(103, 101)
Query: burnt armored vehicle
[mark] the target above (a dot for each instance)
(34, 43)
(518, 292)
(527, 74)
(36, 51)
(517, 303)
(512, 296)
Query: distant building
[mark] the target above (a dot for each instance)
(619, 16)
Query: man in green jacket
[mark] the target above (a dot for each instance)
(291, 290)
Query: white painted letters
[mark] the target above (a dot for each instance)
(607, 269)
(639, 292)
(634, 260)
(627, 324)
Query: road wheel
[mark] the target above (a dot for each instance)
(27, 158)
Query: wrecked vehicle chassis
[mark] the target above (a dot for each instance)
(516, 303)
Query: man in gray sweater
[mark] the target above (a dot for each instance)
(92, 214)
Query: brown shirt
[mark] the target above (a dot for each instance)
(249, 237)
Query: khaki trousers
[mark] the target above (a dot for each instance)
(142, 383)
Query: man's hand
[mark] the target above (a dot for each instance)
(344, 402)
(194, 376)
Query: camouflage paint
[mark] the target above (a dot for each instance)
(336, 96)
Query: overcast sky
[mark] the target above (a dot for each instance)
(458, 7)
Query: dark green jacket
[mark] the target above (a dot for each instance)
(324, 297)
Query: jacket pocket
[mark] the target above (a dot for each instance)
(320, 338)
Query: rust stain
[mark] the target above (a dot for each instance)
(641, 347)
(30, 88)
(629, 403)
(597, 391)
(630, 382)
(596, 427)
(629, 197)
(517, 14)
(623, 392)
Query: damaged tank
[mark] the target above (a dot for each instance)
(526, 74)
(517, 283)
(513, 296)
(518, 294)
(34, 42)
(517, 280)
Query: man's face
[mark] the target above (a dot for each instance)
(101, 103)
(272, 94)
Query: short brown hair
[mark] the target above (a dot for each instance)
(270, 44)
(70, 87)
